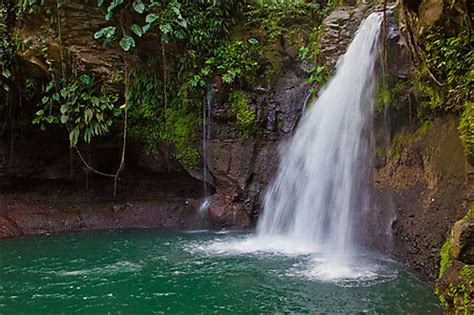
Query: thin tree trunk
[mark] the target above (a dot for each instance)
(60, 38)
(125, 127)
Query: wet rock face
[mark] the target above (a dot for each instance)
(419, 194)
(35, 217)
(224, 212)
(337, 32)
(79, 21)
(463, 241)
(399, 61)
(242, 168)
(290, 92)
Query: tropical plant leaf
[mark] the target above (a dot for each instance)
(138, 6)
(107, 32)
(85, 79)
(137, 30)
(64, 119)
(146, 27)
(152, 17)
(127, 42)
(73, 137)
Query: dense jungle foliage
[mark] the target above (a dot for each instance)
(196, 46)
(443, 78)
(173, 52)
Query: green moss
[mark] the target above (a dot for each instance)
(456, 296)
(466, 128)
(446, 260)
(467, 272)
(274, 54)
(280, 124)
(147, 118)
(470, 212)
(180, 131)
(382, 98)
(462, 291)
(396, 16)
(406, 138)
(146, 109)
(391, 94)
(246, 117)
(441, 297)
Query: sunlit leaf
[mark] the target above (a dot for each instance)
(138, 6)
(85, 79)
(127, 42)
(137, 30)
(152, 17)
(64, 119)
(107, 32)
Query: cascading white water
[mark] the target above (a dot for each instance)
(320, 180)
(206, 134)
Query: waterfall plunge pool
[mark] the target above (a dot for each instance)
(196, 272)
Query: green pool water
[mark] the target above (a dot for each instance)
(196, 272)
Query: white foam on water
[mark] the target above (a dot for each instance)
(251, 245)
(341, 269)
(121, 266)
(355, 273)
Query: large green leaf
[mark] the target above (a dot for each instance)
(107, 32)
(182, 23)
(6, 73)
(73, 137)
(111, 8)
(152, 17)
(85, 79)
(64, 119)
(127, 42)
(138, 6)
(166, 28)
(146, 27)
(63, 109)
(137, 30)
(88, 114)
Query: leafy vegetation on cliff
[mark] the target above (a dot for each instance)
(447, 77)
(443, 54)
(169, 54)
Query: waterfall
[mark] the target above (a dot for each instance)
(206, 134)
(321, 180)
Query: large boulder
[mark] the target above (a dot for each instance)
(463, 240)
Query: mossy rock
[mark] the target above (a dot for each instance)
(455, 285)
(462, 248)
